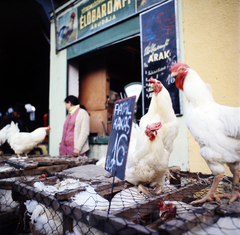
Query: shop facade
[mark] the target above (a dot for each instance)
(97, 49)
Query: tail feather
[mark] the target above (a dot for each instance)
(3, 134)
(13, 129)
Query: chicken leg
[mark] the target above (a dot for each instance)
(234, 195)
(211, 196)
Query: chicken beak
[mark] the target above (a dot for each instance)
(161, 213)
(174, 74)
(48, 130)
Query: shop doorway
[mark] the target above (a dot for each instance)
(103, 74)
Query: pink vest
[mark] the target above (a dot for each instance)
(67, 143)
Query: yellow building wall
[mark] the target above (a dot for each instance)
(211, 32)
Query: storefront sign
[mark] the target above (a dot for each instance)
(120, 136)
(92, 16)
(159, 51)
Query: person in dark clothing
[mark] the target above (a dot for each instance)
(19, 115)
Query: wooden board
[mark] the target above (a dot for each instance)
(30, 163)
(97, 176)
(36, 171)
(22, 164)
(35, 166)
(85, 173)
(232, 209)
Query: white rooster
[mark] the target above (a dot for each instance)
(215, 127)
(24, 142)
(161, 107)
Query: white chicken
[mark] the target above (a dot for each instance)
(215, 127)
(3, 134)
(148, 162)
(45, 219)
(48, 221)
(161, 107)
(24, 142)
(6, 201)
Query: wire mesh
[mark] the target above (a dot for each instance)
(67, 203)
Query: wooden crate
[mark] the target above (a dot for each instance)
(123, 220)
(33, 166)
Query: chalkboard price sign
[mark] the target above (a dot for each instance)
(119, 138)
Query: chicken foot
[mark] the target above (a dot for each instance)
(235, 194)
(211, 196)
(158, 189)
(144, 190)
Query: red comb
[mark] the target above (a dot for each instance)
(152, 80)
(174, 67)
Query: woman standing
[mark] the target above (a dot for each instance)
(75, 130)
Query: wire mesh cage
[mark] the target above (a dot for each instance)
(86, 200)
(13, 169)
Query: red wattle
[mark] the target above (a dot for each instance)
(179, 83)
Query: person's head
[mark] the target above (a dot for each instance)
(19, 109)
(70, 101)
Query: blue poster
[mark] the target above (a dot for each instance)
(68, 28)
(159, 51)
(90, 16)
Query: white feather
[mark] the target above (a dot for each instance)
(24, 142)
(6, 201)
(44, 219)
(91, 199)
(215, 127)
(3, 134)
